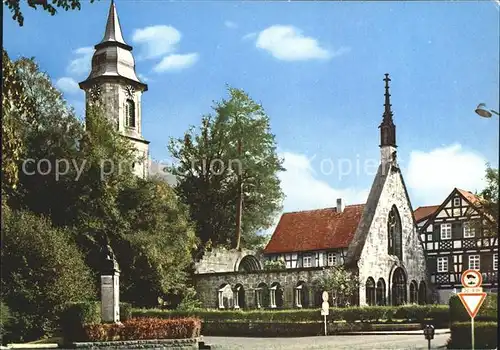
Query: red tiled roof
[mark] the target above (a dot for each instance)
(422, 213)
(315, 230)
(471, 197)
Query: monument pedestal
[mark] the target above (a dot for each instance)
(110, 298)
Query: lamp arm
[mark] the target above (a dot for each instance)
(494, 112)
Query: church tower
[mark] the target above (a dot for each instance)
(387, 129)
(114, 82)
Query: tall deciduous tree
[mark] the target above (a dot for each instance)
(16, 107)
(17, 15)
(230, 163)
(489, 198)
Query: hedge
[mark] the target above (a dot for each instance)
(487, 312)
(144, 328)
(74, 316)
(485, 335)
(438, 314)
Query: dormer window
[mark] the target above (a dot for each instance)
(130, 115)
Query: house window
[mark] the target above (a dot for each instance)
(442, 264)
(456, 202)
(495, 261)
(445, 231)
(130, 113)
(306, 261)
(474, 262)
(331, 259)
(469, 231)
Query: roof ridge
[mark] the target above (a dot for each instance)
(327, 208)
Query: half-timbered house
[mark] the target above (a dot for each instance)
(456, 238)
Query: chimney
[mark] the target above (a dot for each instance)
(340, 205)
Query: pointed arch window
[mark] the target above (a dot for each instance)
(130, 115)
(394, 232)
(370, 291)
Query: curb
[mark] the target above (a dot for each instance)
(437, 332)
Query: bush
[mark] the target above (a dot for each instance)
(145, 328)
(485, 335)
(75, 316)
(487, 312)
(412, 313)
(42, 269)
(125, 311)
(5, 319)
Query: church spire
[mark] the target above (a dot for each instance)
(113, 31)
(387, 127)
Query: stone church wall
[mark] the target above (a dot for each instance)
(375, 262)
(207, 285)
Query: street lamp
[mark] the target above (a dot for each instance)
(484, 112)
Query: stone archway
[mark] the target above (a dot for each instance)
(398, 287)
(413, 292)
(422, 293)
(370, 291)
(248, 263)
(239, 297)
(380, 293)
(225, 296)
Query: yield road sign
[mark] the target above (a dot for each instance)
(472, 302)
(471, 279)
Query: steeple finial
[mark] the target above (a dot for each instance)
(387, 104)
(387, 128)
(113, 30)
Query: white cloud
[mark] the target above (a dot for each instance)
(156, 41)
(431, 176)
(230, 24)
(176, 62)
(289, 44)
(304, 191)
(82, 63)
(143, 77)
(249, 36)
(67, 85)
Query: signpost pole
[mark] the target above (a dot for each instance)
(325, 325)
(429, 344)
(472, 331)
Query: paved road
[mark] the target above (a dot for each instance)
(330, 342)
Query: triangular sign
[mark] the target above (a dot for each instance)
(472, 302)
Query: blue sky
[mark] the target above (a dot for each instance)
(317, 68)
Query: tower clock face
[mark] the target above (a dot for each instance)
(130, 91)
(95, 93)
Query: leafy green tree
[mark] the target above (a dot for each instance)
(5, 321)
(17, 15)
(489, 199)
(155, 254)
(16, 107)
(42, 269)
(96, 195)
(341, 283)
(227, 173)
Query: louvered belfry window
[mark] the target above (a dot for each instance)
(130, 113)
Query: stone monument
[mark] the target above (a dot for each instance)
(110, 287)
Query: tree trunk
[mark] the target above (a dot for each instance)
(239, 205)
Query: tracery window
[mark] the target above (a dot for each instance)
(394, 238)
